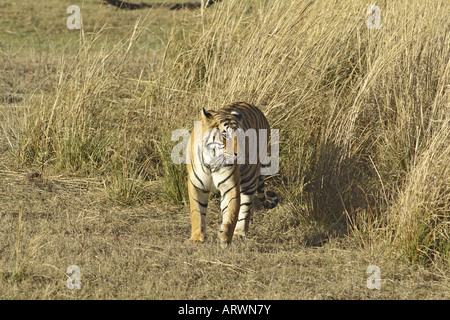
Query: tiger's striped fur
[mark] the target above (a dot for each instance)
(237, 182)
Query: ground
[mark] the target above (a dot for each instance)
(141, 253)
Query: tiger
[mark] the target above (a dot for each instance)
(212, 159)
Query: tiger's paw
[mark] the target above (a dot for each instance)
(224, 240)
(196, 239)
(224, 244)
(239, 234)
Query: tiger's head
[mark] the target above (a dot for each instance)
(219, 148)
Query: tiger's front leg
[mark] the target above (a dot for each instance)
(245, 214)
(198, 200)
(229, 204)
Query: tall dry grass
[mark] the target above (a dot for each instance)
(363, 113)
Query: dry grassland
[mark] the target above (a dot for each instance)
(86, 177)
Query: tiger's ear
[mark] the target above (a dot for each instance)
(237, 115)
(207, 117)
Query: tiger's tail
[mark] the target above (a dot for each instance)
(268, 199)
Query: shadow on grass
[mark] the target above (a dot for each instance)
(341, 192)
